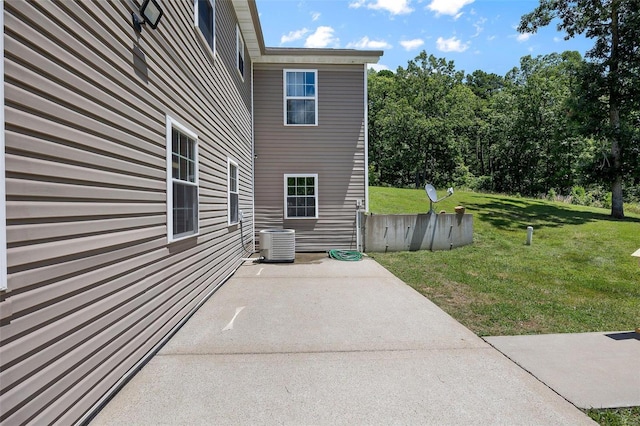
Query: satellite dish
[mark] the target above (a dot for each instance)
(431, 193)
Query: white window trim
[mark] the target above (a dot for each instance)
(297, 175)
(285, 97)
(3, 205)
(240, 52)
(171, 123)
(210, 50)
(231, 162)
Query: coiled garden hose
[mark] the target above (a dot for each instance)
(346, 255)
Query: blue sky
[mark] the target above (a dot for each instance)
(475, 34)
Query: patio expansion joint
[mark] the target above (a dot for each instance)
(320, 352)
(531, 373)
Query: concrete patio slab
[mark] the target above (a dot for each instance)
(592, 370)
(443, 387)
(330, 342)
(283, 314)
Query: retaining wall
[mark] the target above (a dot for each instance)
(412, 232)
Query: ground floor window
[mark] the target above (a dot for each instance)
(232, 202)
(182, 181)
(301, 196)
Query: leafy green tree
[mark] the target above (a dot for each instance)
(487, 128)
(614, 25)
(535, 130)
(380, 93)
(542, 88)
(484, 84)
(434, 89)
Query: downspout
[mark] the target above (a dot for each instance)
(253, 168)
(360, 211)
(366, 140)
(358, 228)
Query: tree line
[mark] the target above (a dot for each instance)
(557, 124)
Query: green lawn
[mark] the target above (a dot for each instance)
(616, 416)
(577, 276)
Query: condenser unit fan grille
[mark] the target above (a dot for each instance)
(278, 245)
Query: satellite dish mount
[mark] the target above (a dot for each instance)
(433, 195)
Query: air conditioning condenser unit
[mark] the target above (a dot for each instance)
(278, 245)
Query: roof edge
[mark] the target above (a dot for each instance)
(317, 55)
(255, 15)
(249, 17)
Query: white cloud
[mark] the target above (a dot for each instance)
(377, 67)
(448, 7)
(491, 38)
(323, 37)
(366, 43)
(293, 36)
(452, 44)
(557, 39)
(394, 7)
(412, 44)
(479, 26)
(315, 16)
(455, 18)
(522, 37)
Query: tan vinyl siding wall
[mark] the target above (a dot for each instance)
(92, 283)
(334, 150)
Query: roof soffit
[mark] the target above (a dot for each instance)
(249, 22)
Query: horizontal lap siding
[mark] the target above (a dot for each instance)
(334, 150)
(92, 283)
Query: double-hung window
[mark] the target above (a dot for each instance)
(232, 201)
(301, 97)
(205, 20)
(301, 196)
(182, 181)
(240, 51)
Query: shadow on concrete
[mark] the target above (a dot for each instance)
(624, 336)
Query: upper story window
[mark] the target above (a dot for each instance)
(232, 201)
(182, 181)
(301, 97)
(301, 196)
(205, 20)
(240, 51)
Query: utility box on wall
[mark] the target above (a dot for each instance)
(412, 232)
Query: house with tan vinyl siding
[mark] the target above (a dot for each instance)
(311, 168)
(138, 167)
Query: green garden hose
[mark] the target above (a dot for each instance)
(346, 255)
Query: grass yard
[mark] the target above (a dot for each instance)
(577, 276)
(616, 416)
